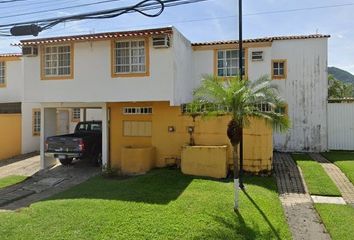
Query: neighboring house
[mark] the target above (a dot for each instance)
(17, 134)
(139, 79)
(297, 64)
(19, 119)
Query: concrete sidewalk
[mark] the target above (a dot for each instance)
(302, 218)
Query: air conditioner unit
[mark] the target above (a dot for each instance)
(30, 51)
(161, 41)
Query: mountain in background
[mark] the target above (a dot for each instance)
(341, 75)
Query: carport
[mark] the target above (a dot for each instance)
(49, 128)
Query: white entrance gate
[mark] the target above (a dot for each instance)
(341, 126)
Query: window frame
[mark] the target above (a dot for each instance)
(73, 118)
(228, 49)
(57, 77)
(114, 74)
(34, 130)
(3, 85)
(284, 75)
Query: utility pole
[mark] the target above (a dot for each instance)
(240, 50)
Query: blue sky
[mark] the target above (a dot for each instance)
(207, 21)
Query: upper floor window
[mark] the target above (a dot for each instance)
(57, 62)
(228, 63)
(2, 74)
(130, 58)
(76, 115)
(279, 69)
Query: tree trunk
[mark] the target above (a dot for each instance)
(236, 177)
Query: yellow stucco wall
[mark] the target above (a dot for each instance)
(209, 161)
(136, 160)
(10, 135)
(258, 148)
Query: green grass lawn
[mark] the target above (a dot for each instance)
(317, 180)
(338, 219)
(163, 204)
(11, 180)
(344, 160)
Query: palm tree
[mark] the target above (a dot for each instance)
(242, 100)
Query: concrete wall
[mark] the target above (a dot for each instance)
(258, 137)
(13, 90)
(10, 140)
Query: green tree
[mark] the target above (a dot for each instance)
(242, 100)
(338, 89)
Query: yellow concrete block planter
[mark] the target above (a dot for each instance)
(137, 160)
(208, 161)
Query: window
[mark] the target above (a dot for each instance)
(257, 56)
(228, 63)
(2, 74)
(264, 107)
(76, 115)
(137, 128)
(279, 69)
(130, 58)
(137, 110)
(36, 122)
(57, 62)
(283, 109)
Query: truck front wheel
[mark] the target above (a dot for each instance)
(66, 161)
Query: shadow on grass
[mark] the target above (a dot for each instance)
(158, 187)
(339, 156)
(235, 228)
(275, 233)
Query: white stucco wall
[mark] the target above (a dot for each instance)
(203, 63)
(14, 84)
(183, 69)
(305, 91)
(93, 82)
(30, 143)
(305, 88)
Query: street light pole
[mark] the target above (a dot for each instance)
(240, 51)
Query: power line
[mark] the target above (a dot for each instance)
(42, 3)
(144, 7)
(11, 1)
(57, 9)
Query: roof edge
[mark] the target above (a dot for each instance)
(101, 35)
(264, 39)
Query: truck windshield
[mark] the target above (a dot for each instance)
(96, 127)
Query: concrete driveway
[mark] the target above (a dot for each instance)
(24, 165)
(42, 183)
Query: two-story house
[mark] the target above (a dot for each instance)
(139, 79)
(16, 134)
(19, 119)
